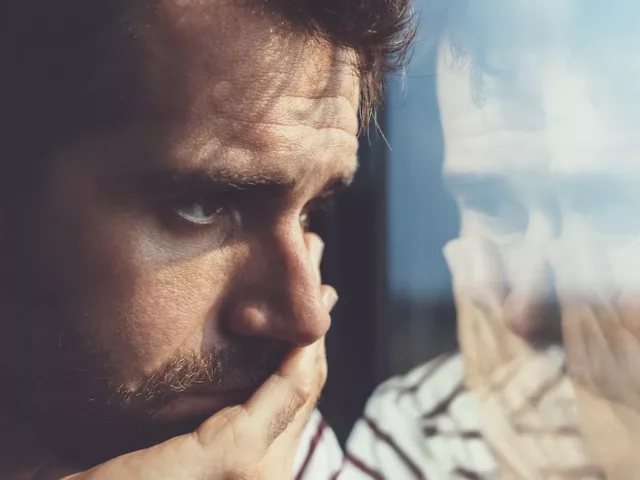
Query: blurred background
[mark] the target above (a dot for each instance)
(384, 248)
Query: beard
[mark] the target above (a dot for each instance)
(65, 393)
(61, 388)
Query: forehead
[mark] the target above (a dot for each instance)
(221, 41)
(551, 112)
(234, 86)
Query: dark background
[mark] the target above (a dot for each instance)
(384, 251)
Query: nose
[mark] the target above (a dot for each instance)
(278, 295)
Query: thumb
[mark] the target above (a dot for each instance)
(275, 405)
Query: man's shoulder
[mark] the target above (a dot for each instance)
(423, 387)
(420, 425)
(423, 397)
(319, 454)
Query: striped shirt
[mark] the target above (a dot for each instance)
(422, 426)
(319, 455)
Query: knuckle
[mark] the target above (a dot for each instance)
(223, 424)
(302, 392)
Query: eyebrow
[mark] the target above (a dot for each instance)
(221, 182)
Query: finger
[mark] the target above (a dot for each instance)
(329, 297)
(476, 271)
(315, 245)
(275, 405)
(293, 431)
(479, 293)
(600, 353)
(286, 394)
(534, 378)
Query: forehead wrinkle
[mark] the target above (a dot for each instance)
(252, 100)
(332, 112)
(271, 97)
(234, 65)
(185, 54)
(223, 136)
(271, 157)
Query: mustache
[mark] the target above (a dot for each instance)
(241, 366)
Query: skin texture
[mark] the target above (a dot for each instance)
(168, 255)
(497, 166)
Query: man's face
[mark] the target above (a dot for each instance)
(166, 268)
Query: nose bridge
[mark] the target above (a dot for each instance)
(296, 280)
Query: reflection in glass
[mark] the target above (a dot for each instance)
(540, 115)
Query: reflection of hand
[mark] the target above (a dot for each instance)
(601, 325)
(525, 402)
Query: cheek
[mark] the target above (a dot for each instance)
(142, 313)
(166, 311)
(123, 294)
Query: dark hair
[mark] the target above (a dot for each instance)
(53, 50)
(380, 32)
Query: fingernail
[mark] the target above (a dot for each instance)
(330, 298)
(316, 249)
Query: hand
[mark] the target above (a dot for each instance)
(256, 441)
(601, 325)
(526, 405)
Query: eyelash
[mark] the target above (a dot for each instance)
(317, 206)
(170, 215)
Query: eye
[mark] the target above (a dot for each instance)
(199, 210)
